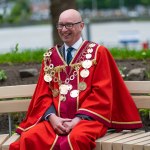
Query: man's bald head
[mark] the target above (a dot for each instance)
(70, 14)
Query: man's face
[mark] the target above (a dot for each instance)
(69, 29)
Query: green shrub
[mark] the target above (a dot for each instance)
(122, 53)
(36, 55)
(2, 75)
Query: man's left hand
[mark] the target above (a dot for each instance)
(70, 125)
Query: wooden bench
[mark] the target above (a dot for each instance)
(125, 140)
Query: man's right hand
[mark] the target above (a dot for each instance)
(57, 123)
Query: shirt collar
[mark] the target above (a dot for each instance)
(75, 45)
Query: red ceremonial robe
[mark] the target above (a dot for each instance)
(98, 91)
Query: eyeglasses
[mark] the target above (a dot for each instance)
(67, 25)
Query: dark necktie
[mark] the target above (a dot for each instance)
(69, 55)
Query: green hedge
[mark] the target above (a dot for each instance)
(36, 55)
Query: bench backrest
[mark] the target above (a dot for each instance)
(140, 91)
(14, 93)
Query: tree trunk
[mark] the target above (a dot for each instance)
(56, 7)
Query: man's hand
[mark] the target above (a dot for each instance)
(70, 125)
(58, 123)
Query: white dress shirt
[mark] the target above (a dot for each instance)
(76, 46)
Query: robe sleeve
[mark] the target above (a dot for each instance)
(40, 102)
(109, 100)
(49, 111)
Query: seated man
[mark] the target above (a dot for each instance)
(79, 95)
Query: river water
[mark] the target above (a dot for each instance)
(110, 34)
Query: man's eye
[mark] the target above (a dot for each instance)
(60, 25)
(69, 25)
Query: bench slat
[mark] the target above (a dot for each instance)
(106, 137)
(17, 91)
(140, 146)
(27, 90)
(123, 141)
(147, 147)
(108, 144)
(138, 86)
(22, 105)
(14, 106)
(12, 139)
(124, 136)
(142, 101)
(129, 145)
(3, 138)
(118, 145)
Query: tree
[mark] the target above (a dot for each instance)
(20, 13)
(56, 7)
(146, 2)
